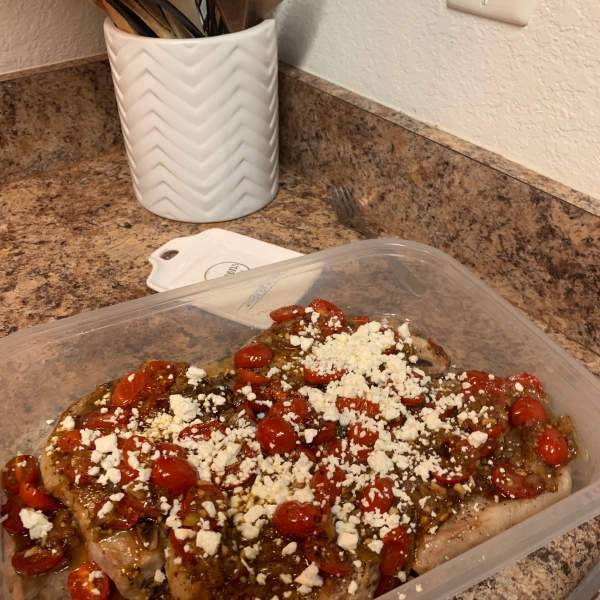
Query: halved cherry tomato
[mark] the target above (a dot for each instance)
(252, 377)
(70, 440)
(335, 447)
(276, 392)
(242, 471)
(173, 474)
(127, 390)
(275, 435)
(552, 447)
(39, 562)
(396, 546)
(493, 430)
(201, 432)
(11, 510)
(296, 406)
(327, 309)
(386, 584)
(326, 483)
(413, 401)
(128, 474)
(115, 416)
(124, 516)
(360, 405)
(481, 380)
(321, 378)
(378, 495)
(487, 449)
(180, 548)
(286, 313)
(168, 449)
(77, 470)
(83, 587)
(515, 485)
(296, 519)
(35, 498)
(153, 402)
(244, 411)
(527, 409)
(254, 356)
(326, 555)
(146, 498)
(359, 434)
(306, 450)
(192, 509)
(262, 392)
(325, 433)
(139, 447)
(458, 472)
(160, 373)
(526, 380)
(18, 470)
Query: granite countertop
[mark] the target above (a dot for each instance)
(75, 239)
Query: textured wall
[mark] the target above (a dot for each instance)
(46, 32)
(531, 94)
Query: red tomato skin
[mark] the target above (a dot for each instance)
(203, 493)
(254, 356)
(383, 496)
(307, 451)
(128, 474)
(296, 519)
(15, 473)
(392, 558)
(552, 447)
(325, 555)
(502, 477)
(327, 309)
(252, 378)
(134, 444)
(327, 486)
(70, 440)
(127, 390)
(11, 509)
(359, 434)
(321, 379)
(126, 515)
(493, 431)
(525, 410)
(276, 436)
(34, 498)
(180, 548)
(201, 432)
(286, 313)
(173, 474)
(298, 407)
(325, 434)
(160, 373)
(80, 586)
(96, 419)
(169, 449)
(526, 380)
(413, 401)
(359, 405)
(244, 410)
(39, 562)
(447, 479)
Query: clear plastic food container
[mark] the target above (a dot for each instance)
(45, 368)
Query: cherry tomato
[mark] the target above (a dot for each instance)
(80, 586)
(326, 483)
(244, 411)
(127, 390)
(252, 378)
(296, 519)
(192, 509)
(481, 380)
(140, 447)
(359, 434)
(276, 392)
(146, 498)
(296, 406)
(487, 449)
(359, 405)
(453, 472)
(377, 496)
(242, 471)
(201, 432)
(154, 402)
(526, 380)
(334, 447)
(358, 320)
(160, 373)
(124, 516)
(128, 474)
(254, 356)
(306, 450)
(321, 378)
(286, 313)
(386, 584)
(34, 564)
(396, 546)
(18, 470)
(552, 447)
(168, 449)
(11, 510)
(327, 309)
(108, 421)
(326, 433)
(173, 474)
(262, 392)
(493, 430)
(527, 409)
(326, 555)
(35, 498)
(515, 485)
(413, 401)
(180, 548)
(275, 435)
(77, 470)
(70, 440)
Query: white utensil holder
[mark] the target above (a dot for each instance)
(200, 121)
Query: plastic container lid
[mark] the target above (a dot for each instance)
(44, 368)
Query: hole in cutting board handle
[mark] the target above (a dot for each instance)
(169, 254)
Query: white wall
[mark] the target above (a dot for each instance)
(531, 94)
(45, 32)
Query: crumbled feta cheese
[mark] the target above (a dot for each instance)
(36, 522)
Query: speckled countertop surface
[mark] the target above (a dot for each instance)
(75, 239)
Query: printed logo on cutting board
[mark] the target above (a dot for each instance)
(224, 268)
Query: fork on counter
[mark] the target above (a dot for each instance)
(348, 213)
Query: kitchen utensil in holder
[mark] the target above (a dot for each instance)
(200, 120)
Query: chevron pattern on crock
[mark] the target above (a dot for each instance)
(200, 121)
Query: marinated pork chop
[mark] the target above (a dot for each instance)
(130, 558)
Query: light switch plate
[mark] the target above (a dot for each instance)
(517, 12)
